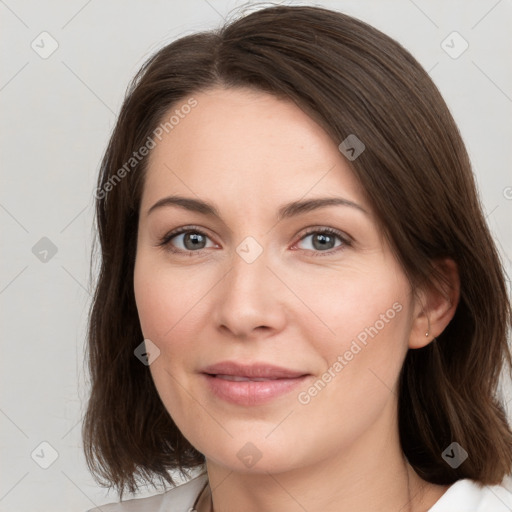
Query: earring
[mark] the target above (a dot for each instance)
(426, 334)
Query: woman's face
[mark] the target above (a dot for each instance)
(261, 285)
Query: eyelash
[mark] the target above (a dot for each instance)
(165, 240)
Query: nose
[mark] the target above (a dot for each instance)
(250, 300)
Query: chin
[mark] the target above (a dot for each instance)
(259, 456)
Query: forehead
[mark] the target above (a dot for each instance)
(246, 144)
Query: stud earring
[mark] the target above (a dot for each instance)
(426, 334)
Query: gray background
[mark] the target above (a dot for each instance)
(57, 115)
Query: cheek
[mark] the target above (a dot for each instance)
(165, 313)
(362, 361)
(164, 298)
(354, 304)
(367, 319)
(171, 305)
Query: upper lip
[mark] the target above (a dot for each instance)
(253, 370)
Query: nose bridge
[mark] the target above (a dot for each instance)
(249, 278)
(249, 266)
(249, 294)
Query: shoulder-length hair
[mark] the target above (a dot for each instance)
(352, 79)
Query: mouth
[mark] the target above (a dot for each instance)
(238, 378)
(252, 371)
(253, 384)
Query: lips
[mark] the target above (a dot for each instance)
(237, 378)
(261, 371)
(250, 384)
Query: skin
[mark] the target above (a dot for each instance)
(296, 305)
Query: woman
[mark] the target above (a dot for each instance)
(299, 297)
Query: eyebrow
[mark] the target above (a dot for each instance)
(288, 210)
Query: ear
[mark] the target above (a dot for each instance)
(435, 305)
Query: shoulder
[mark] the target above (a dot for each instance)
(178, 499)
(470, 496)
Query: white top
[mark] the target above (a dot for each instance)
(462, 496)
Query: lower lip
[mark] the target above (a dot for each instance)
(251, 392)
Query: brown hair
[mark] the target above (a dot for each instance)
(352, 79)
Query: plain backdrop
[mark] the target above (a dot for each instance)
(65, 67)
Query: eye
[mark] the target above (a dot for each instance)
(189, 239)
(185, 240)
(325, 240)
